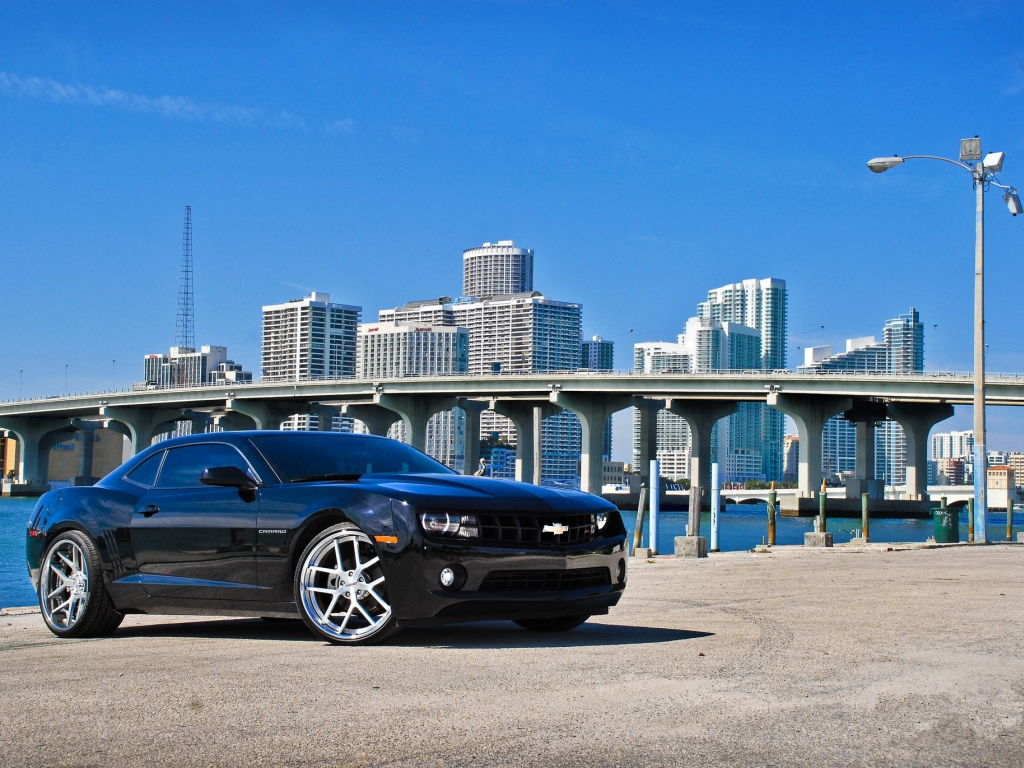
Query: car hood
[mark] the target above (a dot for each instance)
(480, 492)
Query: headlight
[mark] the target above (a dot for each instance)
(447, 524)
(602, 520)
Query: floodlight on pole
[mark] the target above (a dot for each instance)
(1013, 202)
(984, 174)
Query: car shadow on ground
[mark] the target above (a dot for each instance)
(491, 634)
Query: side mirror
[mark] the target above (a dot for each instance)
(227, 477)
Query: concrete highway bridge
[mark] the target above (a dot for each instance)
(917, 402)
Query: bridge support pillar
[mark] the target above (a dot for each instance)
(521, 414)
(36, 436)
(472, 409)
(865, 414)
(378, 419)
(416, 411)
(593, 410)
(810, 412)
(142, 423)
(917, 420)
(87, 429)
(701, 417)
(325, 416)
(647, 412)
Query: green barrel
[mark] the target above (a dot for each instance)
(947, 525)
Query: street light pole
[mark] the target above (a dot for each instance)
(984, 172)
(980, 454)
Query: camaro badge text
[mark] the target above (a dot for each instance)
(272, 530)
(556, 528)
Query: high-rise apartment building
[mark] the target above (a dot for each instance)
(598, 355)
(398, 350)
(496, 269)
(309, 338)
(520, 333)
(764, 306)
(900, 351)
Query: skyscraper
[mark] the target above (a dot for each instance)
(309, 338)
(764, 306)
(496, 269)
(598, 355)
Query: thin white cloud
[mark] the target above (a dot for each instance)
(175, 107)
(341, 126)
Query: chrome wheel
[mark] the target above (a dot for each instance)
(64, 586)
(342, 587)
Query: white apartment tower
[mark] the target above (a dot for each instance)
(309, 338)
(398, 350)
(764, 306)
(495, 269)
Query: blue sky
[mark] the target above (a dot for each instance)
(646, 151)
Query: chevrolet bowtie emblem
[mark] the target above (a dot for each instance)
(556, 528)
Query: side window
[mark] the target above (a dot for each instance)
(145, 473)
(185, 465)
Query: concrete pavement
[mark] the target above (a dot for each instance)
(795, 658)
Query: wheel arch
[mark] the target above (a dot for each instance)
(317, 522)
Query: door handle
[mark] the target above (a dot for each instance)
(150, 510)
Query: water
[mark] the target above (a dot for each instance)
(740, 527)
(15, 587)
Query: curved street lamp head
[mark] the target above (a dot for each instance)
(883, 164)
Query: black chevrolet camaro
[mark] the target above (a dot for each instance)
(357, 535)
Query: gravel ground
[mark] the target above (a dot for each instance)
(792, 658)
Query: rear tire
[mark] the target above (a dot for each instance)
(340, 588)
(72, 598)
(559, 624)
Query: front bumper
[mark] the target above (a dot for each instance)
(420, 600)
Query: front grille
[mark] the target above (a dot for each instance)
(530, 528)
(545, 581)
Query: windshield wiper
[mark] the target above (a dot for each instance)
(345, 478)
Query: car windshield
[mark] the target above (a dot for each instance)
(323, 456)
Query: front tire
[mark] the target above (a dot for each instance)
(559, 624)
(340, 589)
(72, 598)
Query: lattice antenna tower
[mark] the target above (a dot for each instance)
(185, 326)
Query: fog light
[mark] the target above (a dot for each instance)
(620, 571)
(452, 577)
